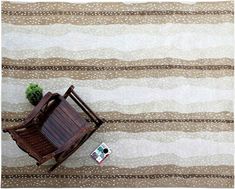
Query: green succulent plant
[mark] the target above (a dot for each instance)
(34, 93)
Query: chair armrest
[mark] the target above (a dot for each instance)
(13, 128)
(44, 101)
(37, 109)
(70, 92)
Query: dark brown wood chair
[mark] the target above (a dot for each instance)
(54, 129)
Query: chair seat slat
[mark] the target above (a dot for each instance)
(71, 126)
(62, 125)
(50, 136)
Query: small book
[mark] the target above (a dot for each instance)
(101, 153)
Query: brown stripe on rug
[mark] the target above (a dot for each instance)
(109, 74)
(140, 176)
(158, 127)
(117, 63)
(138, 19)
(156, 115)
(154, 122)
(107, 170)
(113, 6)
(114, 13)
(147, 120)
(170, 180)
(116, 68)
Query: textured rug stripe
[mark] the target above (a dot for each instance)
(107, 170)
(198, 6)
(10, 116)
(157, 106)
(89, 75)
(123, 95)
(106, 63)
(68, 174)
(134, 14)
(167, 83)
(158, 122)
(77, 41)
(133, 181)
(155, 125)
(162, 159)
(172, 136)
(223, 29)
(141, 19)
(220, 51)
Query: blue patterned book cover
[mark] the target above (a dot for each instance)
(101, 153)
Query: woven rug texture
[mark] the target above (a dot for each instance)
(161, 74)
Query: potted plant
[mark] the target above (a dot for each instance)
(34, 93)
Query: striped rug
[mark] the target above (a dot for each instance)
(161, 74)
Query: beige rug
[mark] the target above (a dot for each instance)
(161, 74)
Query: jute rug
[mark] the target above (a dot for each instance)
(161, 74)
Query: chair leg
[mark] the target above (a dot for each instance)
(61, 159)
(54, 166)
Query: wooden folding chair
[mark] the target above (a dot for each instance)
(54, 129)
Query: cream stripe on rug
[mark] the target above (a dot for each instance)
(220, 51)
(121, 29)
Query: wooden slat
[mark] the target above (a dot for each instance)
(45, 149)
(59, 128)
(61, 117)
(76, 116)
(40, 145)
(53, 127)
(27, 132)
(35, 139)
(70, 116)
(50, 135)
(78, 125)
